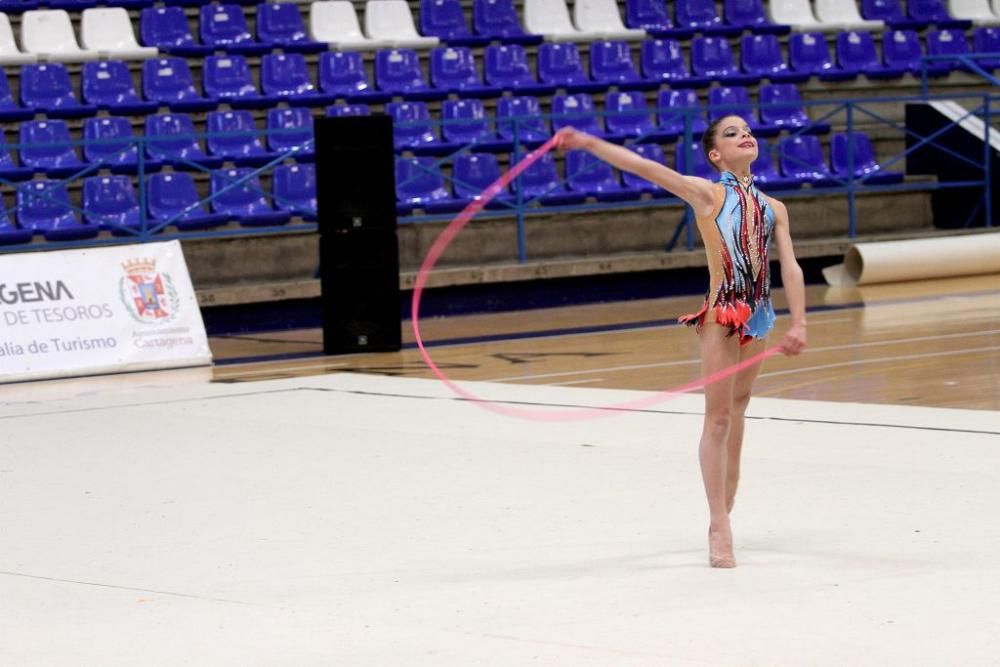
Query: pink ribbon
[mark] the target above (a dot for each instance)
(574, 414)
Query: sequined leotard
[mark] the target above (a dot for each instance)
(739, 289)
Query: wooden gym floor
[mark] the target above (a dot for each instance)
(933, 343)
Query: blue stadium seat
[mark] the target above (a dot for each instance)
(652, 16)
(228, 79)
(294, 188)
(291, 129)
(44, 207)
(343, 75)
(934, 11)
(611, 64)
(761, 55)
(701, 15)
(947, 42)
(453, 69)
(238, 193)
(445, 19)
(856, 53)
(700, 165)
(107, 85)
(651, 152)
(420, 185)
(233, 135)
(498, 19)
(225, 27)
(593, 177)
(765, 174)
(8, 168)
(781, 107)
(662, 60)
(677, 108)
(560, 65)
(866, 168)
(173, 199)
(628, 117)
(528, 128)
(46, 147)
(10, 110)
(472, 173)
(285, 76)
(412, 129)
(541, 182)
(901, 49)
(398, 72)
(280, 25)
(342, 110)
(712, 58)
(171, 139)
(168, 81)
(110, 202)
(10, 232)
(466, 122)
(110, 143)
(891, 12)
(808, 53)
(507, 69)
(577, 111)
(167, 29)
(749, 15)
(18, 6)
(727, 100)
(987, 40)
(48, 88)
(801, 158)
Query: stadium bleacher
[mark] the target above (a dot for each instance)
(143, 82)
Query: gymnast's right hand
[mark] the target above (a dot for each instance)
(568, 139)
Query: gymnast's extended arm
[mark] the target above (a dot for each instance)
(695, 191)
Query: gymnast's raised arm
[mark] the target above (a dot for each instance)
(698, 192)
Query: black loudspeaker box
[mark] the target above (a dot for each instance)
(355, 173)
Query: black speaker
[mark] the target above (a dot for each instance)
(355, 173)
(359, 251)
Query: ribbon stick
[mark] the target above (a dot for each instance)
(536, 414)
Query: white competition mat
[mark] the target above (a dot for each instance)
(357, 520)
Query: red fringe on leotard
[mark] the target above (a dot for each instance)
(734, 315)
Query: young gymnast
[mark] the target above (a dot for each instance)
(737, 223)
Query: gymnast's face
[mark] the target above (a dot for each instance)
(735, 145)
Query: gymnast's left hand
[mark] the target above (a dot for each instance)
(794, 340)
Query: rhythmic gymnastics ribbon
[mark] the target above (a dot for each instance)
(573, 414)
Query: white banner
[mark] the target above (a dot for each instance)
(99, 310)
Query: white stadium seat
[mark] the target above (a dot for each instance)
(9, 53)
(551, 19)
(334, 22)
(602, 17)
(977, 11)
(108, 31)
(48, 34)
(390, 22)
(844, 14)
(796, 13)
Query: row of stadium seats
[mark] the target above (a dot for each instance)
(421, 185)
(43, 207)
(107, 32)
(48, 88)
(47, 147)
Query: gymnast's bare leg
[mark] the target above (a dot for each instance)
(718, 351)
(742, 385)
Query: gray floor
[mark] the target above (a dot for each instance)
(352, 520)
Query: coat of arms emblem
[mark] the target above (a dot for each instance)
(149, 295)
